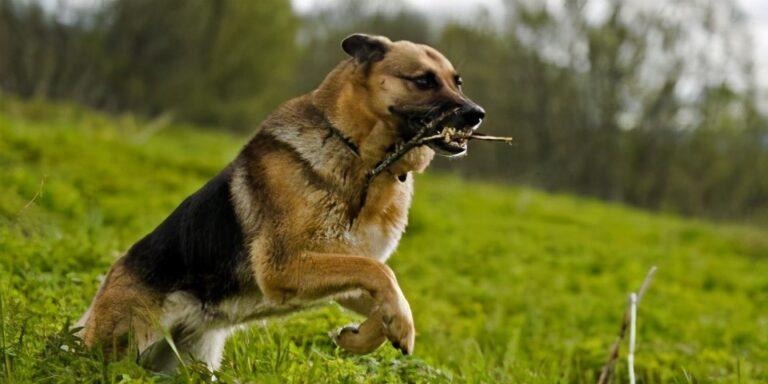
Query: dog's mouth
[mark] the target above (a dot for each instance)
(451, 134)
(452, 141)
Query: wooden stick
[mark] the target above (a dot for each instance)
(481, 136)
(420, 139)
(613, 355)
(470, 136)
(632, 336)
(403, 148)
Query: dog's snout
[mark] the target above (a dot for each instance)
(472, 114)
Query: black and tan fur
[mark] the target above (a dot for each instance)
(289, 223)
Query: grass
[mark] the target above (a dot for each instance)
(506, 284)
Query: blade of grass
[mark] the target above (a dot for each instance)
(6, 357)
(169, 339)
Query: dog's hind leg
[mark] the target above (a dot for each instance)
(123, 314)
(87, 315)
(206, 346)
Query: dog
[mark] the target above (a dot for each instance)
(293, 221)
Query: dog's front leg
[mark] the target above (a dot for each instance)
(358, 302)
(313, 276)
(361, 338)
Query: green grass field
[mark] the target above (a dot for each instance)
(507, 285)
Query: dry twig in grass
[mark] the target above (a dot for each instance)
(38, 194)
(608, 368)
(632, 336)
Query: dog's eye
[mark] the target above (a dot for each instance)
(426, 81)
(459, 81)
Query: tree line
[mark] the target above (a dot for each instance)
(611, 99)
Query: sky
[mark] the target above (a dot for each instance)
(757, 11)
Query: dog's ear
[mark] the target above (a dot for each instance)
(365, 48)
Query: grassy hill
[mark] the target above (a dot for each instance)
(506, 284)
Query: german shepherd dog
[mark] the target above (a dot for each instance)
(292, 221)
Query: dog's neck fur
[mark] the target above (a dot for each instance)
(344, 97)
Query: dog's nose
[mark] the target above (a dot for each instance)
(472, 114)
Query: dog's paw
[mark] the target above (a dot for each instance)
(398, 325)
(359, 339)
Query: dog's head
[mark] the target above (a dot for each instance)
(409, 82)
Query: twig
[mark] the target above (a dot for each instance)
(403, 148)
(469, 136)
(35, 197)
(646, 283)
(420, 139)
(480, 136)
(613, 355)
(153, 126)
(632, 336)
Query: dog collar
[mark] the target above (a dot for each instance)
(344, 139)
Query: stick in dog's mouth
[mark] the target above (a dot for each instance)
(450, 134)
(457, 136)
(428, 132)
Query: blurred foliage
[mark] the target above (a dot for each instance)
(223, 62)
(507, 285)
(629, 106)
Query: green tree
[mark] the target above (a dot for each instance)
(209, 61)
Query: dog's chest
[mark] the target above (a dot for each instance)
(382, 220)
(375, 240)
